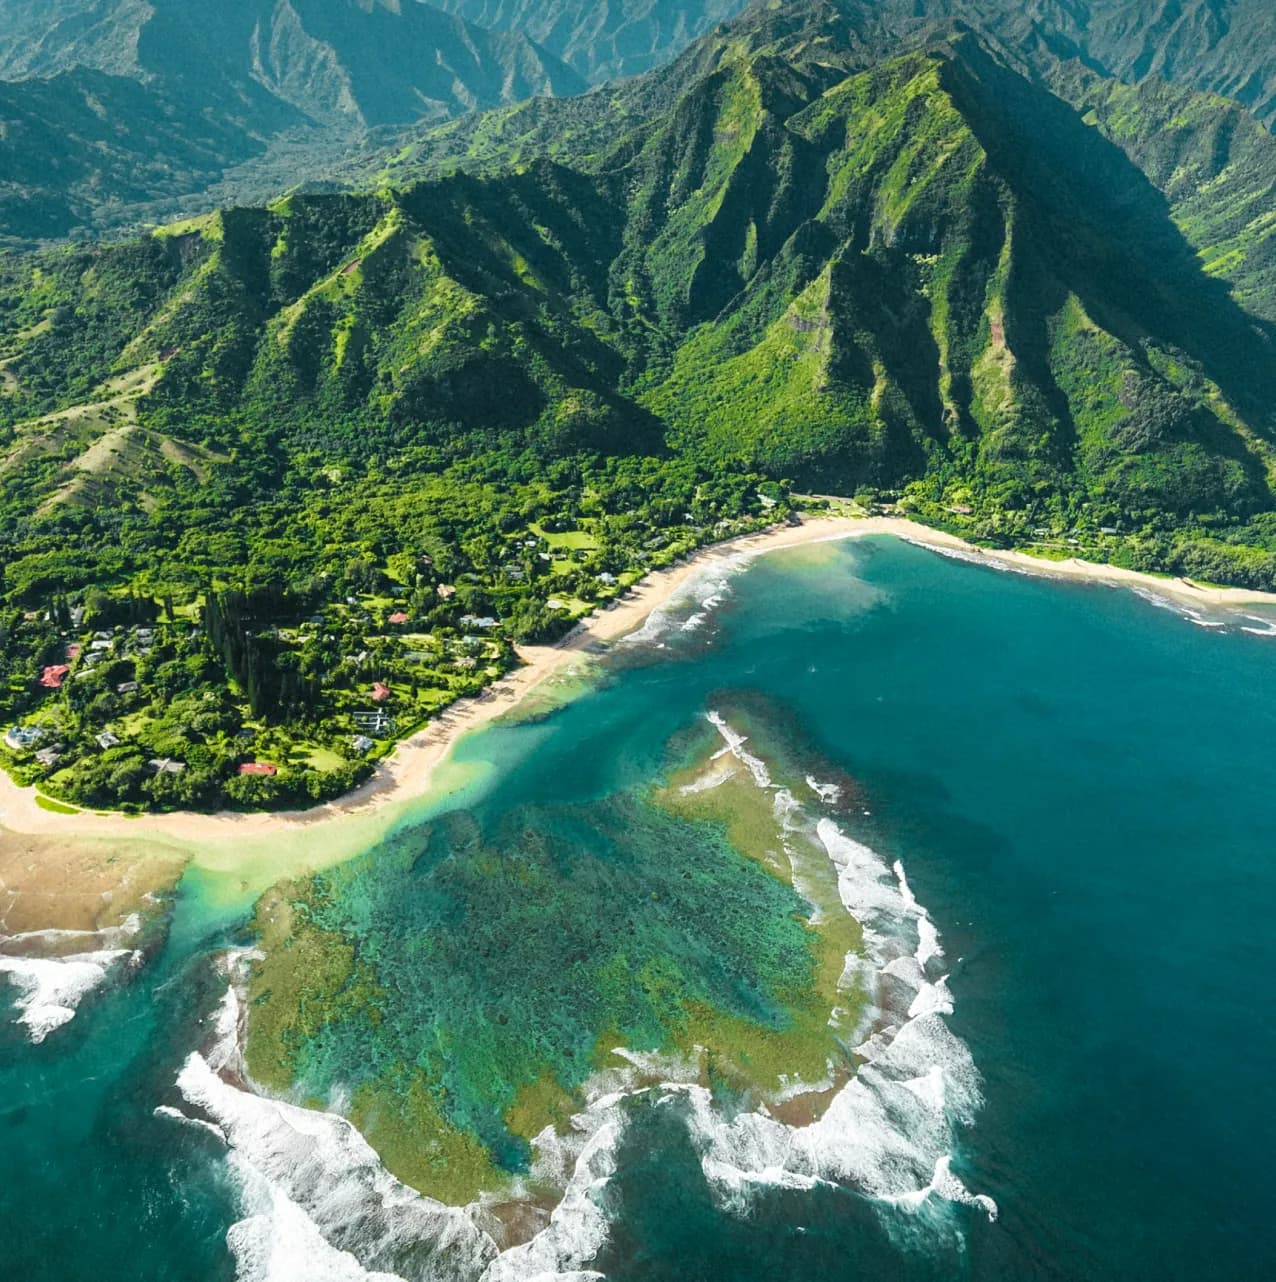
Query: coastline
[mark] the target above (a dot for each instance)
(408, 771)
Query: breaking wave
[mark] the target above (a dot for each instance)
(691, 606)
(50, 989)
(313, 1190)
(890, 1130)
(53, 971)
(317, 1204)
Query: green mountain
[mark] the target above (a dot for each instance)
(1032, 308)
(123, 106)
(932, 267)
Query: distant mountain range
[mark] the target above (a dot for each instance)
(127, 103)
(126, 112)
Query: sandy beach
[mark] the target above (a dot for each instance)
(407, 772)
(230, 840)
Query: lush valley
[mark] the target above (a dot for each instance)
(277, 484)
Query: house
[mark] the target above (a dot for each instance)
(77, 616)
(101, 644)
(606, 579)
(446, 591)
(398, 617)
(378, 721)
(107, 740)
(49, 757)
(51, 677)
(167, 766)
(380, 692)
(476, 621)
(1108, 529)
(361, 743)
(23, 738)
(126, 687)
(74, 650)
(258, 768)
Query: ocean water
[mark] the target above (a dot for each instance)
(1050, 805)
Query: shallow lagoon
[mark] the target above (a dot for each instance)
(1078, 784)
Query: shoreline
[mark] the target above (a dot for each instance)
(407, 772)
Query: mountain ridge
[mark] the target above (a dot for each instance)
(726, 224)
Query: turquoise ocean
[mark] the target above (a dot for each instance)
(1071, 784)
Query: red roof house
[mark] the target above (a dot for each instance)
(398, 617)
(380, 692)
(258, 768)
(74, 650)
(51, 677)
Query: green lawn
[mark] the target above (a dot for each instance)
(570, 539)
(57, 807)
(320, 758)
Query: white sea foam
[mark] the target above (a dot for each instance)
(735, 746)
(829, 793)
(314, 1190)
(50, 990)
(52, 937)
(703, 593)
(928, 945)
(889, 1131)
(318, 1206)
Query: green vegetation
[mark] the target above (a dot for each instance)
(278, 485)
(55, 807)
